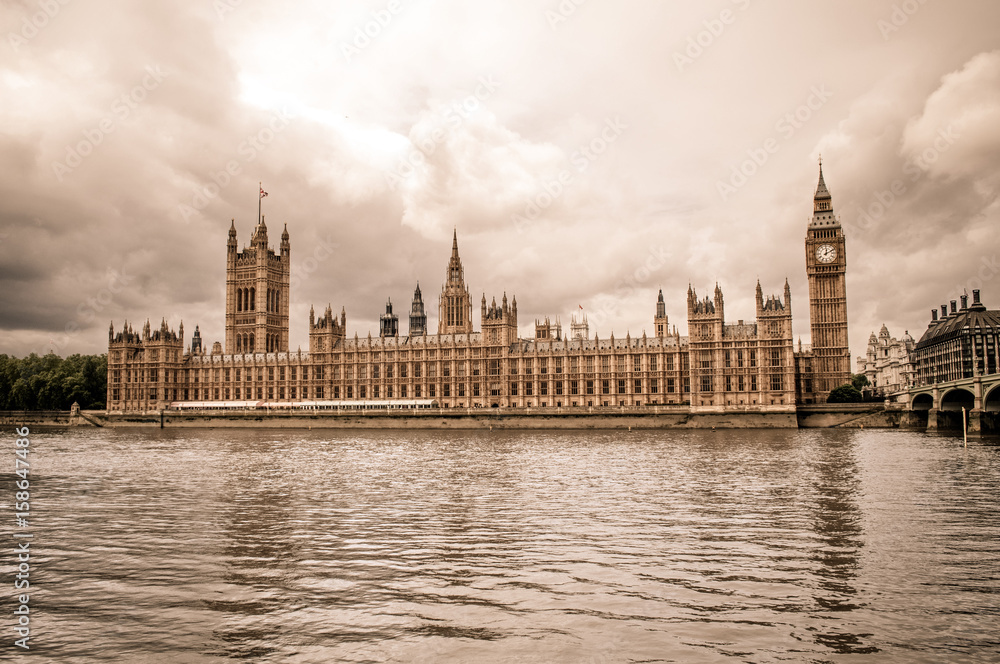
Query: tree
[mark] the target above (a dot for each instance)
(860, 382)
(846, 393)
(53, 383)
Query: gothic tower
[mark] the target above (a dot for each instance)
(388, 322)
(660, 320)
(418, 319)
(499, 325)
(455, 305)
(826, 267)
(257, 285)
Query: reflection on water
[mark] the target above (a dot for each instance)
(305, 546)
(838, 526)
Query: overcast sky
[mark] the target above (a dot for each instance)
(589, 153)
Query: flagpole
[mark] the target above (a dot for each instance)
(261, 187)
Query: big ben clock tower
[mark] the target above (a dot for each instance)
(826, 266)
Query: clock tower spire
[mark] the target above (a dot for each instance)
(826, 268)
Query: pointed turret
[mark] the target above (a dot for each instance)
(454, 303)
(196, 342)
(660, 322)
(388, 322)
(418, 318)
(823, 216)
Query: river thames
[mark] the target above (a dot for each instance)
(441, 546)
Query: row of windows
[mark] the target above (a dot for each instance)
(246, 299)
(558, 388)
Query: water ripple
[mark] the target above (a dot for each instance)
(291, 546)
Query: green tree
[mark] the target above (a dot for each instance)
(53, 383)
(846, 393)
(860, 382)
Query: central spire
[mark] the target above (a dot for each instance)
(455, 306)
(456, 275)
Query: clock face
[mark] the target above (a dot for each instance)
(826, 253)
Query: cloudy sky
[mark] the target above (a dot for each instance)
(589, 153)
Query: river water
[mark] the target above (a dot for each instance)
(439, 546)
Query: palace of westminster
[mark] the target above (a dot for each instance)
(719, 366)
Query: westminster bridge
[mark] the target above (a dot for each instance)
(979, 396)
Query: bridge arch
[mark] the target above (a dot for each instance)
(923, 402)
(958, 398)
(991, 400)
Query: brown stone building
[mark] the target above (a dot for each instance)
(719, 366)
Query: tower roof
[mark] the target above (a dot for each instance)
(822, 193)
(823, 216)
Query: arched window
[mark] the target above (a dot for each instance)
(277, 301)
(269, 301)
(253, 299)
(239, 301)
(252, 346)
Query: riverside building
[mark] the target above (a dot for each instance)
(717, 367)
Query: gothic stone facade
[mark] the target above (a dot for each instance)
(827, 363)
(748, 365)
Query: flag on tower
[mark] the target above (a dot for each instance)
(581, 307)
(262, 192)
